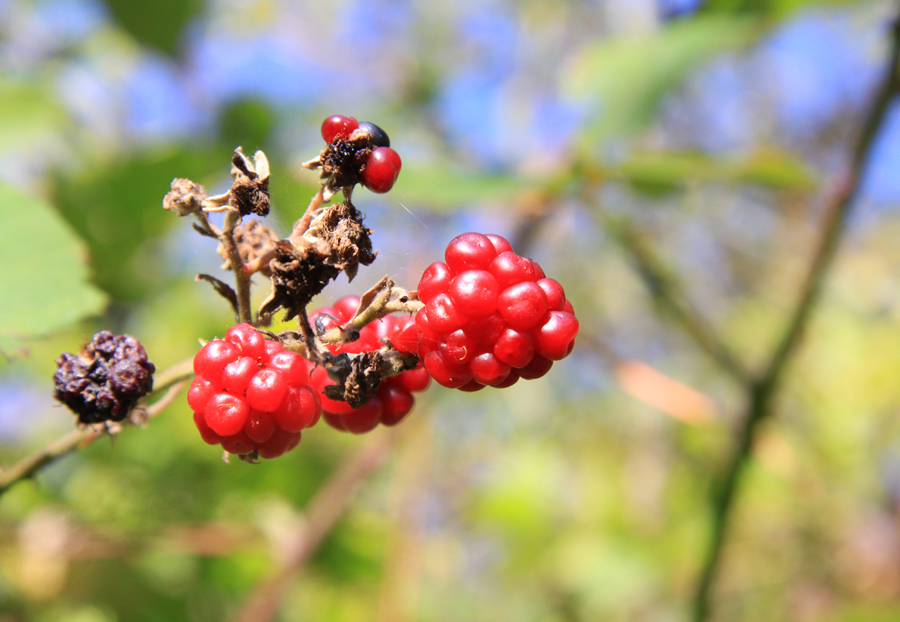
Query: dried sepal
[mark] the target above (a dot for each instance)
(185, 198)
(249, 192)
(341, 227)
(358, 376)
(336, 241)
(223, 289)
(340, 164)
(297, 275)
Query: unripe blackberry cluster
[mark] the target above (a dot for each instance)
(362, 146)
(394, 399)
(251, 394)
(491, 316)
(105, 380)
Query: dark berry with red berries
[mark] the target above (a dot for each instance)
(105, 380)
(491, 316)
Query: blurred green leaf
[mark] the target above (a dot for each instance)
(29, 114)
(44, 279)
(442, 187)
(159, 24)
(117, 209)
(777, 9)
(628, 77)
(661, 172)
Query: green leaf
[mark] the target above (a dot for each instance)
(116, 207)
(667, 171)
(626, 78)
(159, 24)
(44, 279)
(29, 115)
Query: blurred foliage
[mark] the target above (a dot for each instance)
(51, 289)
(569, 498)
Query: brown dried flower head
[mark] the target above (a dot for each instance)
(185, 198)
(249, 192)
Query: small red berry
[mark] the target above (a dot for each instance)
(248, 339)
(470, 251)
(435, 280)
(237, 374)
(338, 126)
(199, 393)
(206, 433)
(212, 359)
(260, 426)
(381, 170)
(226, 414)
(279, 443)
(266, 390)
(475, 293)
(238, 443)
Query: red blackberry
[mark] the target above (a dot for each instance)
(491, 316)
(250, 394)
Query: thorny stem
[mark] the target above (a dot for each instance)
(763, 390)
(169, 383)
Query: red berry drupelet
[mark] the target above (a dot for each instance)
(491, 316)
(394, 399)
(251, 394)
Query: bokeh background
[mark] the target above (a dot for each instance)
(708, 134)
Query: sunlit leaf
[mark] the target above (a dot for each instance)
(659, 172)
(45, 277)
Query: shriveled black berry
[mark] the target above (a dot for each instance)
(377, 136)
(105, 380)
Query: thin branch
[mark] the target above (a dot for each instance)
(667, 294)
(324, 510)
(79, 439)
(761, 397)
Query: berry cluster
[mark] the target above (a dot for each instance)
(491, 316)
(394, 399)
(381, 164)
(251, 394)
(105, 380)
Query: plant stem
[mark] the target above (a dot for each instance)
(667, 295)
(241, 274)
(762, 392)
(171, 383)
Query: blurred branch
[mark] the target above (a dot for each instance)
(324, 510)
(760, 398)
(169, 383)
(667, 295)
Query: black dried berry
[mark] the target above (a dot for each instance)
(105, 380)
